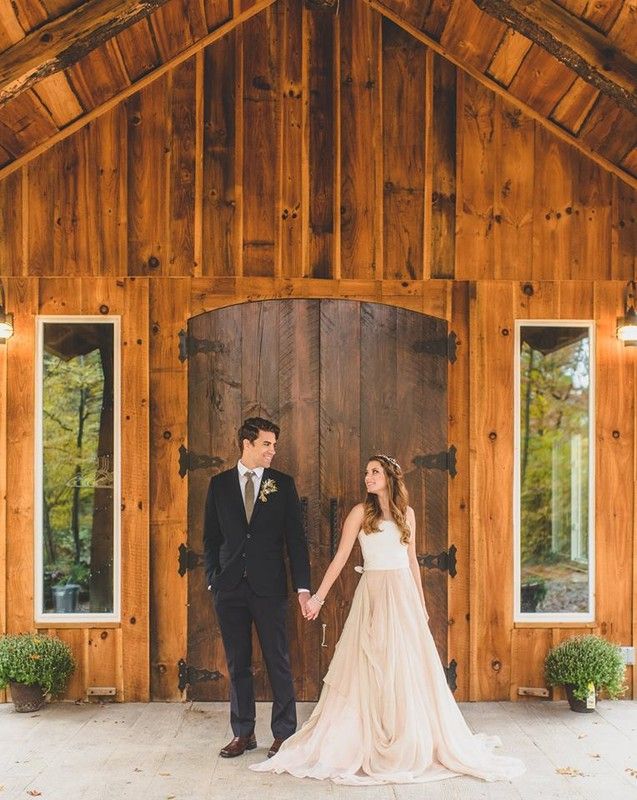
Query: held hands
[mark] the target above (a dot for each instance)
(303, 599)
(313, 607)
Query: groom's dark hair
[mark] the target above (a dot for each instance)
(250, 429)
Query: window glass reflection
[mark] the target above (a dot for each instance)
(554, 468)
(78, 467)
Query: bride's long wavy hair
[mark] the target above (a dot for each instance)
(398, 499)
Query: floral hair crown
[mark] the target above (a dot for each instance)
(389, 459)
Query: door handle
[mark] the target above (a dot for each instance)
(333, 525)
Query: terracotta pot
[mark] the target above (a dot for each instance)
(26, 698)
(574, 702)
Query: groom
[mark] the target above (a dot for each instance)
(252, 511)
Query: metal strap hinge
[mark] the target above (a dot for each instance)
(189, 675)
(445, 561)
(188, 559)
(189, 346)
(189, 461)
(452, 674)
(445, 461)
(447, 347)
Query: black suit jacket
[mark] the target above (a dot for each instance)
(232, 546)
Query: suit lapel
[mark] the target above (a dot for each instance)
(235, 496)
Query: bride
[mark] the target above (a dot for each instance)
(385, 714)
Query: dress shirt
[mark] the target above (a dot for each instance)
(243, 471)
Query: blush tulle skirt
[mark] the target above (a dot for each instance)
(386, 714)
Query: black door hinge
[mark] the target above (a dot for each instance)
(445, 561)
(188, 559)
(189, 346)
(452, 674)
(447, 347)
(445, 460)
(189, 675)
(190, 461)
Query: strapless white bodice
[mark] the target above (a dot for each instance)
(382, 549)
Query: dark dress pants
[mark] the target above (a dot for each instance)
(237, 609)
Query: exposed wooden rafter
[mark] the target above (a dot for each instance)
(96, 112)
(569, 39)
(62, 42)
(260, 5)
(492, 84)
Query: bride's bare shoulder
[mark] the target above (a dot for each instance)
(358, 511)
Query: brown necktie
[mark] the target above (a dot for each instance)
(249, 495)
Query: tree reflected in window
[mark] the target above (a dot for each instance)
(77, 467)
(554, 468)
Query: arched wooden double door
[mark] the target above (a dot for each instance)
(343, 379)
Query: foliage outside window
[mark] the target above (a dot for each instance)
(554, 470)
(78, 467)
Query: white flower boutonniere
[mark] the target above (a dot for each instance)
(267, 487)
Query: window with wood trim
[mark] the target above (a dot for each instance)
(553, 504)
(77, 469)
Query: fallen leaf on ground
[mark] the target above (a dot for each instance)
(582, 736)
(164, 773)
(571, 772)
(34, 793)
(594, 755)
(137, 769)
(632, 772)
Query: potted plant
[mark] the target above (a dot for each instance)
(33, 665)
(586, 665)
(534, 590)
(66, 592)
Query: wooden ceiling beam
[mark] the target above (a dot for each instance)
(497, 88)
(570, 40)
(96, 112)
(59, 44)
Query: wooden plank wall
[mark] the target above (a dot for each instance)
(279, 163)
(505, 655)
(109, 654)
(495, 656)
(305, 145)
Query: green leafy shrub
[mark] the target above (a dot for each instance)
(33, 658)
(584, 659)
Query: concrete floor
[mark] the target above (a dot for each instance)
(170, 752)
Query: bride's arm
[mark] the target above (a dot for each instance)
(351, 528)
(413, 561)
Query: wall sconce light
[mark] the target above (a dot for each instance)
(6, 320)
(627, 325)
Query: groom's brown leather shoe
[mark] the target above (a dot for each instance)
(238, 746)
(274, 749)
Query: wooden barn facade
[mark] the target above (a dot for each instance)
(381, 173)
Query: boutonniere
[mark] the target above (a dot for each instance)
(267, 487)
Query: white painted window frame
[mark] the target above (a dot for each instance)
(575, 617)
(85, 617)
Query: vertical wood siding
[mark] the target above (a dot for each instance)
(307, 156)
